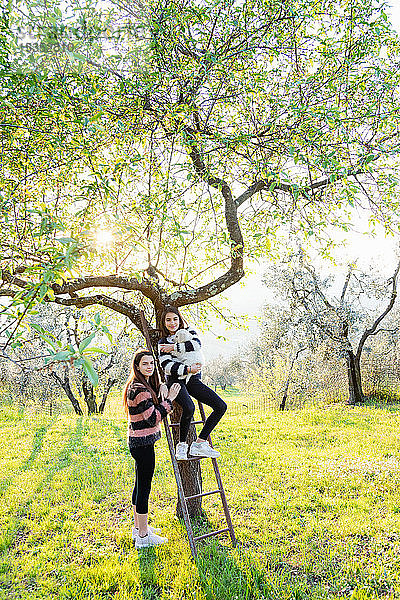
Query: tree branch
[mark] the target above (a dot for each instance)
(236, 270)
(124, 308)
(149, 288)
(346, 285)
(290, 188)
(372, 330)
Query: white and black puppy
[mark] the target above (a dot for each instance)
(188, 357)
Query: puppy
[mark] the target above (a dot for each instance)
(190, 357)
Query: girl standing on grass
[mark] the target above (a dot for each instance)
(175, 370)
(145, 412)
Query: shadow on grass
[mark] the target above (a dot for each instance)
(228, 573)
(148, 562)
(120, 437)
(233, 573)
(16, 528)
(37, 446)
(63, 459)
(379, 403)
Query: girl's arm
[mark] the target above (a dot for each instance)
(171, 365)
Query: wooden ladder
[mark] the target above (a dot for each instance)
(181, 494)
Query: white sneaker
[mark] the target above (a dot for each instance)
(135, 531)
(151, 539)
(203, 449)
(181, 451)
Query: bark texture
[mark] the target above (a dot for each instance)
(190, 471)
(88, 396)
(107, 388)
(356, 395)
(64, 383)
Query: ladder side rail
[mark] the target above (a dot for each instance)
(224, 502)
(181, 493)
(220, 486)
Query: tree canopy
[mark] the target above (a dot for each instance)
(149, 148)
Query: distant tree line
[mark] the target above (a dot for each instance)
(36, 377)
(324, 338)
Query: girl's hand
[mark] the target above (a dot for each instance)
(163, 391)
(173, 391)
(167, 347)
(196, 368)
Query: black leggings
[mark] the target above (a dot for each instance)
(145, 461)
(196, 388)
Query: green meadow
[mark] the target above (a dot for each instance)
(314, 497)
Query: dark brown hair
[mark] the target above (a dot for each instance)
(170, 309)
(135, 376)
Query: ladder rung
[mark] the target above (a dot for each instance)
(192, 423)
(206, 535)
(202, 494)
(195, 458)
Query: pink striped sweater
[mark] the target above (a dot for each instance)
(144, 416)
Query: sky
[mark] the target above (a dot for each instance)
(394, 12)
(247, 299)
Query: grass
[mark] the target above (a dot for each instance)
(314, 497)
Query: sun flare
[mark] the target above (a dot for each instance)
(104, 237)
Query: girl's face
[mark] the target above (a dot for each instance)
(172, 322)
(146, 366)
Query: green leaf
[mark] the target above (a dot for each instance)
(90, 371)
(78, 56)
(93, 349)
(66, 241)
(107, 332)
(62, 355)
(84, 343)
(45, 338)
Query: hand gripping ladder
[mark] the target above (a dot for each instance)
(181, 494)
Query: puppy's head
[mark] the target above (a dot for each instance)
(182, 335)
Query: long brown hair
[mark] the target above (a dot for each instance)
(170, 309)
(135, 376)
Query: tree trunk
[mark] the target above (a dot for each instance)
(190, 471)
(64, 383)
(88, 395)
(282, 405)
(288, 380)
(111, 381)
(356, 395)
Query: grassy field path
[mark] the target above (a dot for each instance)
(314, 496)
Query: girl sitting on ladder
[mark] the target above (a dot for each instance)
(176, 371)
